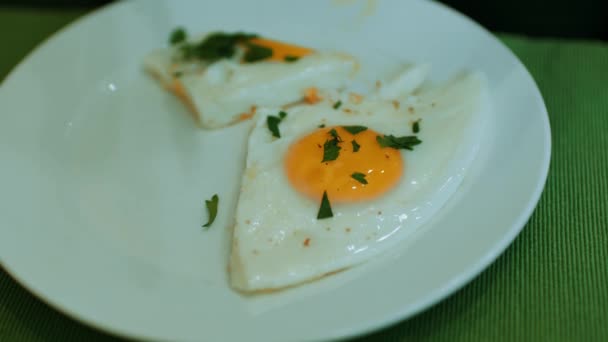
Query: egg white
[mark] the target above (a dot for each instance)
(221, 91)
(273, 219)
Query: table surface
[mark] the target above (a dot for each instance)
(551, 284)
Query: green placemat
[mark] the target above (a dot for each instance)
(550, 285)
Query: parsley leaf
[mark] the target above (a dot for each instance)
(273, 123)
(334, 134)
(416, 126)
(256, 53)
(359, 177)
(337, 104)
(177, 36)
(211, 209)
(405, 142)
(325, 208)
(290, 58)
(354, 129)
(215, 46)
(321, 126)
(187, 51)
(356, 146)
(331, 149)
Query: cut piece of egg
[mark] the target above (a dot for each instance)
(227, 91)
(278, 241)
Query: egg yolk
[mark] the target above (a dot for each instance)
(281, 50)
(382, 167)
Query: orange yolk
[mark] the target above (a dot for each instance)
(281, 50)
(382, 167)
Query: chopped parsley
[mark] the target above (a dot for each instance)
(178, 35)
(334, 134)
(331, 149)
(211, 209)
(354, 129)
(416, 126)
(405, 142)
(256, 53)
(187, 51)
(325, 208)
(321, 126)
(290, 58)
(359, 177)
(273, 123)
(337, 104)
(216, 46)
(356, 146)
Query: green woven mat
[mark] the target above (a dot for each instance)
(550, 285)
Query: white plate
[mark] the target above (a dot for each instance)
(104, 176)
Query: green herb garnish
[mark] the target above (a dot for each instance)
(354, 129)
(273, 123)
(337, 104)
(215, 46)
(177, 36)
(220, 45)
(416, 126)
(331, 149)
(325, 208)
(256, 53)
(334, 134)
(290, 59)
(211, 210)
(187, 51)
(405, 142)
(356, 146)
(359, 177)
(321, 126)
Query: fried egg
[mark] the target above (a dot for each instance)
(278, 239)
(224, 91)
